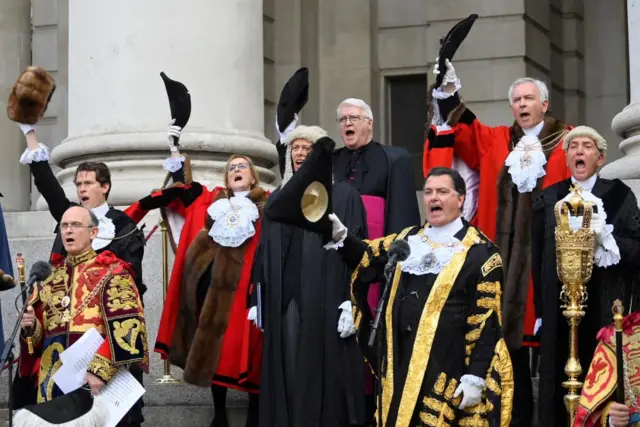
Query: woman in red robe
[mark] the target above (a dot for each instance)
(204, 328)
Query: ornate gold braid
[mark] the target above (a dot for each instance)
(87, 300)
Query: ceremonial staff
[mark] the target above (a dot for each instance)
(167, 378)
(618, 317)
(574, 252)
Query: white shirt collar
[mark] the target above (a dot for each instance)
(448, 230)
(587, 184)
(535, 130)
(240, 193)
(101, 210)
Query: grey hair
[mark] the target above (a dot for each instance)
(585, 132)
(355, 102)
(542, 88)
(93, 219)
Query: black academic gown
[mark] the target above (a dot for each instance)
(329, 391)
(437, 328)
(621, 281)
(382, 171)
(128, 245)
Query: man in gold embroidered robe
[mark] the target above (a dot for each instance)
(85, 291)
(445, 361)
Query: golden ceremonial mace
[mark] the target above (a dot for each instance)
(23, 283)
(574, 255)
(167, 378)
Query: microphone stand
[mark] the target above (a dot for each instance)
(8, 357)
(375, 331)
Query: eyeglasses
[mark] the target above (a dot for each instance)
(74, 226)
(353, 119)
(239, 166)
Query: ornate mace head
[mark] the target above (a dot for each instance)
(575, 246)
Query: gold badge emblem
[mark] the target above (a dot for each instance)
(492, 263)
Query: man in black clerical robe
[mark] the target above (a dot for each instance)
(615, 272)
(445, 361)
(311, 365)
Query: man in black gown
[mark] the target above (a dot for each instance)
(446, 362)
(615, 271)
(116, 233)
(311, 365)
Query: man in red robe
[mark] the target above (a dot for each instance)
(514, 164)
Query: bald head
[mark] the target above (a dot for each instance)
(79, 226)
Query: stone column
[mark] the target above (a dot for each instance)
(627, 122)
(118, 108)
(15, 46)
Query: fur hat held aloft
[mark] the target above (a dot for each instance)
(30, 96)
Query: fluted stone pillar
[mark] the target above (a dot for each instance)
(118, 108)
(15, 45)
(627, 122)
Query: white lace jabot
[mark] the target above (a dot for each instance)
(106, 228)
(526, 163)
(432, 249)
(233, 220)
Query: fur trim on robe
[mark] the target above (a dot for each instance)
(197, 340)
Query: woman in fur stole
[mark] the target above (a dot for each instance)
(204, 327)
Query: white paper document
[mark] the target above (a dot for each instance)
(75, 361)
(119, 395)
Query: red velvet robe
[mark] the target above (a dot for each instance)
(485, 149)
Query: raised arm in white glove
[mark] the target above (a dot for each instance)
(450, 81)
(173, 136)
(471, 389)
(597, 226)
(283, 135)
(346, 328)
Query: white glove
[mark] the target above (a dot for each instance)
(253, 315)
(173, 135)
(471, 389)
(346, 328)
(537, 326)
(284, 134)
(450, 74)
(25, 128)
(597, 226)
(338, 230)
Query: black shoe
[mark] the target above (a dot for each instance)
(219, 421)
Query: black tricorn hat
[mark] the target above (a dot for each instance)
(179, 100)
(305, 199)
(451, 42)
(77, 407)
(293, 97)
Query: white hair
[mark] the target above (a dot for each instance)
(542, 88)
(355, 102)
(585, 132)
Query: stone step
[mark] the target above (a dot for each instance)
(171, 416)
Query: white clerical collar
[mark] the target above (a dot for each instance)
(587, 184)
(535, 130)
(241, 193)
(445, 230)
(101, 210)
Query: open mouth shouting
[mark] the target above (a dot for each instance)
(84, 199)
(237, 178)
(580, 165)
(435, 209)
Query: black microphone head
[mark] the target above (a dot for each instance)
(40, 270)
(400, 248)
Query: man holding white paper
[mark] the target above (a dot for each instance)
(85, 291)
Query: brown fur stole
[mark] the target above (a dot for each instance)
(197, 340)
(513, 236)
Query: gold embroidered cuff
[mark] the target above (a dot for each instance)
(102, 368)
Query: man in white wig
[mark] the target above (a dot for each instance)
(615, 274)
(311, 365)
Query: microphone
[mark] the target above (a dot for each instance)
(39, 271)
(398, 251)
